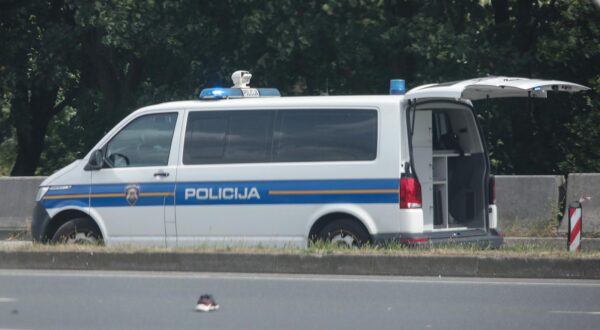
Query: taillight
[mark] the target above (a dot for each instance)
(492, 188)
(410, 193)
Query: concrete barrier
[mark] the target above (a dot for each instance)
(528, 204)
(584, 185)
(18, 199)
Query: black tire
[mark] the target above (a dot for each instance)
(345, 232)
(78, 231)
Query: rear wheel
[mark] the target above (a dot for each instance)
(344, 232)
(78, 231)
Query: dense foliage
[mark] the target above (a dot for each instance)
(70, 69)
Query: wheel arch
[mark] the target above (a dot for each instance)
(333, 212)
(65, 216)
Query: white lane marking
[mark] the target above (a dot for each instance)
(575, 312)
(413, 281)
(301, 278)
(6, 299)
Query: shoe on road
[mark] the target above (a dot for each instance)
(206, 303)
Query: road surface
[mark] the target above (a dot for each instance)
(146, 300)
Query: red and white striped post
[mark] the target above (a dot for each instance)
(575, 224)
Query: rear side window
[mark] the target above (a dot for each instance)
(325, 135)
(225, 137)
(228, 137)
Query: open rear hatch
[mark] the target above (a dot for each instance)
(448, 153)
(493, 87)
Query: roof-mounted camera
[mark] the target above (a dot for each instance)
(241, 79)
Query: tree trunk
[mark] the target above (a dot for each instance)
(31, 111)
(502, 21)
(29, 149)
(500, 8)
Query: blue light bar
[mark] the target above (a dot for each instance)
(268, 92)
(217, 93)
(397, 87)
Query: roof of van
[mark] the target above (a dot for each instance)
(287, 101)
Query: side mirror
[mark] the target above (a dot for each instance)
(96, 161)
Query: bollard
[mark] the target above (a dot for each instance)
(575, 226)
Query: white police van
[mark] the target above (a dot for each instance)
(243, 165)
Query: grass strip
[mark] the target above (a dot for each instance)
(321, 248)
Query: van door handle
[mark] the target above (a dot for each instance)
(161, 173)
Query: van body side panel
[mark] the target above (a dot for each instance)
(276, 201)
(131, 199)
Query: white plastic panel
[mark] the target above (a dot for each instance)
(422, 130)
(494, 87)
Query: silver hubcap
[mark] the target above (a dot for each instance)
(343, 238)
(81, 238)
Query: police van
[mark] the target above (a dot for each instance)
(244, 165)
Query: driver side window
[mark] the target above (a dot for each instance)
(146, 141)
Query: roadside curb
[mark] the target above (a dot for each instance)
(457, 266)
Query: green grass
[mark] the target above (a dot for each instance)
(321, 249)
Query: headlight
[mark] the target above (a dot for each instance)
(40, 193)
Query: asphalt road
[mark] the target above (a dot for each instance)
(125, 300)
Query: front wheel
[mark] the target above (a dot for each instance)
(78, 231)
(344, 232)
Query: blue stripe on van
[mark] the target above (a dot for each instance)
(77, 195)
(232, 193)
(288, 192)
(82, 202)
(114, 195)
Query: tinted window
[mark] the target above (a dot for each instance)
(325, 135)
(222, 137)
(228, 137)
(443, 135)
(146, 141)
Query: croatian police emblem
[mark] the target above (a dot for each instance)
(132, 193)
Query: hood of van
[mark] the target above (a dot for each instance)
(494, 87)
(55, 178)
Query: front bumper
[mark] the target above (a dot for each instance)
(39, 223)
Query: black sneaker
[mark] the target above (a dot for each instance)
(206, 303)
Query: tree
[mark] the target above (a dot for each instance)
(38, 72)
(550, 39)
(93, 62)
(132, 55)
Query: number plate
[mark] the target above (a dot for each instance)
(250, 92)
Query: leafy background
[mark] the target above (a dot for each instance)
(70, 70)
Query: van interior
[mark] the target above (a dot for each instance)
(451, 166)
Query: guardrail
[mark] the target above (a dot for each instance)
(584, 185)
(17, 195)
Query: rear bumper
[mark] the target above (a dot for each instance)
(486, 239)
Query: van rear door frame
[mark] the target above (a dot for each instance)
(414, 103)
